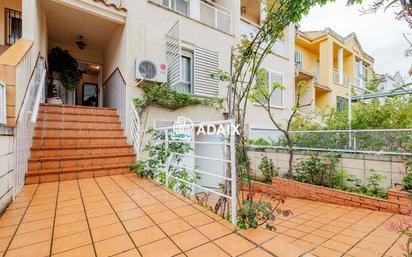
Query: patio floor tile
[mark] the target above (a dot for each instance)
(70, 228)
(109, 231)
(234, 244)
(175, 226)
(70, 242)
(147, 235)
(326, 252)
(257, 252)
(189, 239)
(114, 245)
(198, 219)
(279, 247)
(84, 251)
(258, 236)
(35, 250)
(209, 248)
(214, 230)
(164, 247)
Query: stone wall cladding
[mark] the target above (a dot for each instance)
(398, 201)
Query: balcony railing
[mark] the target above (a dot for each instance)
(216, 16)
(346, 79)
(208, 13)
(250, 29)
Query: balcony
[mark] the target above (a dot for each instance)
(346, 79)
(250, 29)
(207, 12)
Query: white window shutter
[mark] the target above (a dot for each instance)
(173, 53)
(276, 98)
(3, 115)
(206, 63)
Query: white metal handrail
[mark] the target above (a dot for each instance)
(135, 128)
(24, 130)
(39, 97)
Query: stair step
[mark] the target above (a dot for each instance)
(53, 175)
(77, 117)
(72, 124)
(73, 142)
(70, 151)
(72, 132)
(40, 164)
(73, 109)
(79, 141)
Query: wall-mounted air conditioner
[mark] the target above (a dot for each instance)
(151, 71)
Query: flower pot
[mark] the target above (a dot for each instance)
(55, 100)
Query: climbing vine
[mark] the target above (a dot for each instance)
(166, 97)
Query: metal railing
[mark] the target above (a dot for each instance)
(114, 95)
(213, 160)
(346, 78)
(24, 130)
(216, 16)
(134, 129)
(372, 141)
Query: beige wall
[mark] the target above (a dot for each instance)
(359, 165)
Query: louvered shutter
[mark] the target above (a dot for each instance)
(206, 63)
(276, 98)
(173, 53)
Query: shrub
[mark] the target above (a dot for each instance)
(317, 170)
(259, 141)
(268, 169)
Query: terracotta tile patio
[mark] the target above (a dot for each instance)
(328, 230)
(128, 216)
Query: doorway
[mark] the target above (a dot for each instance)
(89, 88)
(90, 95)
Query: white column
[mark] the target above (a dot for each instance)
(340, 65)
(195, 9)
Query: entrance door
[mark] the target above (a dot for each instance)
(90, 95)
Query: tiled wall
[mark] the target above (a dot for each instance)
(6, 170)
(359, 165)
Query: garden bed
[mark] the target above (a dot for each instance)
(398, 200)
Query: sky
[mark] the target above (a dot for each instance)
(380, 34)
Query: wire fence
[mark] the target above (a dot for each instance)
(376, 141)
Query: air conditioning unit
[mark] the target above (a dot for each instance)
(151, 71)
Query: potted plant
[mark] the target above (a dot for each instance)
(64, 68)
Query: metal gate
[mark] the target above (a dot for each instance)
(189, 154)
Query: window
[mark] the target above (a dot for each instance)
(3, 114)
(186, 62)
(341, 103)
(276, 99)
(13, 26)
(181, 6)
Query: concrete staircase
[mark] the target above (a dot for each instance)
(74, 142)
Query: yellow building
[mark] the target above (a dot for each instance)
(328, 63)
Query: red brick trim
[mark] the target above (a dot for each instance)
(398, 201)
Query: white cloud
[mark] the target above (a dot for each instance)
(380, 34)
